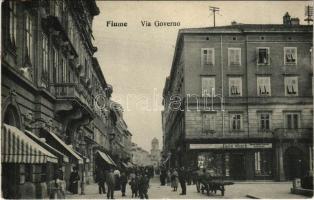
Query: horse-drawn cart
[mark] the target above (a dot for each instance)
(212, 186)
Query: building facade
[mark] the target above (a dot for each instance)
(140, 157)
(52, 88)
(238, 100)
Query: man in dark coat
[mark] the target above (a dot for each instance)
(182, 180)
(110, 180)
(74, 179)
(143, 185)
(123, 181)
(100, 178)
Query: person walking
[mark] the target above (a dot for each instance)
(182, 179)
(74, 179)
(134, 185)
(123, 181)
(174, 180)
(143, 185)
(100, 178)
(110, 180)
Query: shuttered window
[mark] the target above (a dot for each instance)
(291, 86)
(208, 121)
(208, 86)
(207, 56)
(234, 56)
(235, 86)
(263, 86)
(290, 55)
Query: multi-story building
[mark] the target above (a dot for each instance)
(239, 102)
(53, 92)
(140, 157)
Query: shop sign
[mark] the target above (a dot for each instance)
(232, 146)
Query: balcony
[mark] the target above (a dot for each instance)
(301, 133)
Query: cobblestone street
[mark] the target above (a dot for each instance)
(274, 190)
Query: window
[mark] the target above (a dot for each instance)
(29, 37)
(64, 71)
(264, 121)
(208, 56)
(292, 120)
(45, 60)
(54, 65)
(234, 56)
(236, 122)
(12, 22)
(290, 54)
(208, 121)
(291, 86)
(263, 86)
(263, 56)
(235, 86)
(208, 86)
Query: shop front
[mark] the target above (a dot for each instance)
(234, 161)
(26, 165)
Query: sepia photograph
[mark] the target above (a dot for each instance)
(156, 99)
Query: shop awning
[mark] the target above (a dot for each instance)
(68, 148)
(47, 146)
(17, 147)
(106, 158)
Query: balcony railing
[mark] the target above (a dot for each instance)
(301, 133)
(72, 90)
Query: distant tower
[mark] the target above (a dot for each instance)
(155, 144)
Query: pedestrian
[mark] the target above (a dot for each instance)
(123, 182)
(74, 179)
(174, 180)
(168, 177)
(163, 176)
(182, 179)
(110, 180)
(117, 180)
(100, 178)
(198, 174)
(134, 186)
(143, 186)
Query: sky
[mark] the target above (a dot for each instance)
(136, 59)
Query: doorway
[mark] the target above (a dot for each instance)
(237, 168)
(294, 163)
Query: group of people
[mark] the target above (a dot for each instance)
(115, 180)
(174, 176)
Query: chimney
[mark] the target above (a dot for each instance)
(295, 21)
(286, 19)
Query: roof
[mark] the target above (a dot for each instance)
(242, 28)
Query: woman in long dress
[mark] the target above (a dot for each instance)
(174, 180)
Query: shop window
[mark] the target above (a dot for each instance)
(263, 86)
(263, 56)
(290, 55)
(227, 169)
(234, 56)
(292, 120)
(264, 121)
(208, 86)
(235, 86)
(236, 122)
(207, 56)
(208, 122)
(291, 86)
(263, 163)
(212, 162)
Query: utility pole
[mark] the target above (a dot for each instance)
(214, 10)
(308, 14)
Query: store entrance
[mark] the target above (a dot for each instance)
(294, 163)
(237, 168)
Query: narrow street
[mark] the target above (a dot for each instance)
(238, 190)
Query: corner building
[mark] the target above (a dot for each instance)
(239, 101)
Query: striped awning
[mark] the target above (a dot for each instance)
(17, 147)
(106, 158)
